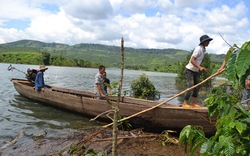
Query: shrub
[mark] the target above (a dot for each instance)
(143, 88)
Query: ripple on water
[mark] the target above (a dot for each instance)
(18, 113)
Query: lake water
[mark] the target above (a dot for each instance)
(18, 113)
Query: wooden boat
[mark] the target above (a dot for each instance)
(167, 117)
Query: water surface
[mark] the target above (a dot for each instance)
(18, 113)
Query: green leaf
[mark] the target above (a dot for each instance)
(198, 142)
(100, 154)
(217, 147)
(206, 146)
(230, 51)
(243, 62)
(212, 109)
(231, 124)
(246, 46)
(240, 127)
(229, 150)
(230, 70)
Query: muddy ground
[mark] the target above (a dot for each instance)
(130, 143)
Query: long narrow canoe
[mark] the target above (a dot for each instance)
(167, 117)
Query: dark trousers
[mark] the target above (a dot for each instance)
(245, 95)
(192, 79)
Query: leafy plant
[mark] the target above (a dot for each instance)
(124, 125)
(167, 139)
(194, 136)
(82, 150)
(238, 65)
(232, 135)
(143, 88)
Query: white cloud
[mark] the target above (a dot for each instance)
(97, 9)
(191, 3)
(165, 4)
(226, 15)
(57, 28)
(132, 6)
(21, 9)
(11, 34)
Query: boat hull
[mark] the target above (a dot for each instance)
(167, 117)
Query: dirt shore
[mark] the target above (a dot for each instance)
(130, 143)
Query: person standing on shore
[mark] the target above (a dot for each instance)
(192, 71)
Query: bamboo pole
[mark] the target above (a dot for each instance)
(116, 106)
(151, 108)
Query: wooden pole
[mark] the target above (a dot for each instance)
(151, 108)
(116, 105)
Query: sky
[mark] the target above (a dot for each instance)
(157, 24)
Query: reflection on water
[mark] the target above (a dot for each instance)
(18, 113)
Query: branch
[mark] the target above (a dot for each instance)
(110, 116)
(108, 111)
(21, 134)
(89, 137)
(225, 40)
(127, 137)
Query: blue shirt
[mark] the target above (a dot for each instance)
(39, 82)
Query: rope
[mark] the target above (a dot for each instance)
(151, 108)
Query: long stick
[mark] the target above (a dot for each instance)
(20, 134)
(116, 107)
(225, 41)
(10, 68)
(151, 108)
(128, 137)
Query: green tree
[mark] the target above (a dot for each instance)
(181, 79)
(208, 65)
(46, 58)
(143, 88)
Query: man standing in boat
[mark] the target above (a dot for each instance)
(39, 81)
(192, 71)
(99, 86)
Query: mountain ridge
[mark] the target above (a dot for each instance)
(36, 43)
(109, 55)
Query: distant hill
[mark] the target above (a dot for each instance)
(105, 54)
(79, 47)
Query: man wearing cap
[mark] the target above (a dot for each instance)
(192, 71)
(39, 81)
